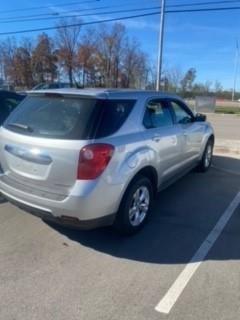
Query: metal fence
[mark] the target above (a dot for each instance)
(205, 104)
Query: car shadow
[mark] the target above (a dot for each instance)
(183, 216)
(229, 165)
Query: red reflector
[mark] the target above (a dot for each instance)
(93, 160)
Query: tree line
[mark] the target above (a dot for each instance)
(104, 56)
(99, 57)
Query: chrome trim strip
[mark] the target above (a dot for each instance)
(32, 155)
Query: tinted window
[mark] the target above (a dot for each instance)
(181, 115)
(113, 115)
(157, 115)
(54, 116)
(7, 105)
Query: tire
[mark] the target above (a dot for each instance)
(2, 199)
(206, 160)
(138, 199)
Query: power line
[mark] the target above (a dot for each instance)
(84, 14)
(203, 10)
(56, 15)
(129, 2)
(79, 24)
(50, 14)
(206, 3)
(47, 7)
(70, 11)
(118, 19)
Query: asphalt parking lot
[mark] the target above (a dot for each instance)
(49, 272)
(226, 126)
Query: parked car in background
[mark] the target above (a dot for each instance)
(97, 157)
(8, 102)
(54, 85)
(6, 87)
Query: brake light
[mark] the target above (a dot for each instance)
(93, 160)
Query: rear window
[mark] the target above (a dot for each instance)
(72, 118)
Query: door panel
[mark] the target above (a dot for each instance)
(163, 137)
(193, 135)
(192, 132)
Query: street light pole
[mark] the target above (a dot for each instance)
(160, 49)
(236, 66)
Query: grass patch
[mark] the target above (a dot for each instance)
(228, 110)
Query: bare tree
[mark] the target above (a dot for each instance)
(188, 80)
(44, 60)
(135, 70)
(22, 61)
(7, 51)
(109, 53)
(86, 58)
(2, 64)
(207, 86)
(218, 88)
(67, 41)
(174, 76)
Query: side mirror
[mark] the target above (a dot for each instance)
(200, 117)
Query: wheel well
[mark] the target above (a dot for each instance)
(150, 173)
(212, 138)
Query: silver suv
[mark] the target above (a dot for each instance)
(92, 158)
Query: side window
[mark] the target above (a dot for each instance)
(114, 114)
(181, 115)
(8, 104)
(157, 115)
(11, 103)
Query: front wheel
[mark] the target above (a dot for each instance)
(206, 160)
(135, 206)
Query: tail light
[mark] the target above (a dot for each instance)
(93, 160)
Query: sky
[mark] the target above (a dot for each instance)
(205, 41)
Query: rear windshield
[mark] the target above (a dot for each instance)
(72, 118)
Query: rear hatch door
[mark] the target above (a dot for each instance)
(41, 140)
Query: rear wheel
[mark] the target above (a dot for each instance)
(206, 160)
(135, 206)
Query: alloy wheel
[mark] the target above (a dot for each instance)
(139, 206)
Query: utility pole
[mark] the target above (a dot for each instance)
(160, 49)
(236, 67)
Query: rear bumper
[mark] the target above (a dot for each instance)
(86, 207)
(64, 220)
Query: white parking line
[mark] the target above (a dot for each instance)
(171, 297)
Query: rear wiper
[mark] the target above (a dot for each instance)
(20, 126)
